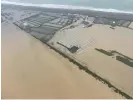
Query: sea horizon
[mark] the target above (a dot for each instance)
(65, 6)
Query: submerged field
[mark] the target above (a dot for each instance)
(30, 69)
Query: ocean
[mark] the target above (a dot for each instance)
(113, 5)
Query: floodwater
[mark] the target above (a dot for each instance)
(30, 70)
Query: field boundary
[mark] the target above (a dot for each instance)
(85, 68)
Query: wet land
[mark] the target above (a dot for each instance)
(87, 41)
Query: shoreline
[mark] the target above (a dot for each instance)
(68, 7)
(59, 9)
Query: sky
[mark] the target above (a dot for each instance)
(109, 4)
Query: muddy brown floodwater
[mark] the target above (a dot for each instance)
(31, 70)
